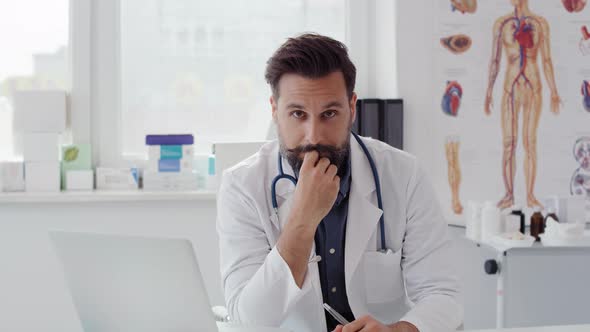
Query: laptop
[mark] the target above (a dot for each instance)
(125, 283)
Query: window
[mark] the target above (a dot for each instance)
(196, 66)
(34, 55)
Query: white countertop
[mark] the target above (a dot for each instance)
(568, 328)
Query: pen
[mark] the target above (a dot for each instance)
(335, 314)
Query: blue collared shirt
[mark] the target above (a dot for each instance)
(330, 238)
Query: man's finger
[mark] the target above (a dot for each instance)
(332, 170)
(309, 159)
(337, 329)
(356, 325)
(323, 165)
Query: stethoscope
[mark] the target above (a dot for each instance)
(291, 178)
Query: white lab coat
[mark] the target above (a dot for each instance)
(415, 281)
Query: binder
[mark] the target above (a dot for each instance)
(370, 118)
(381, 119)
(356, 124)
(393, 123)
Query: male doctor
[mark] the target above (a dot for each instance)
(324, 244)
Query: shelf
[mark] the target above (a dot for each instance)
(106, 196)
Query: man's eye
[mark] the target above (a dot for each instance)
(298, 114)
(329, 114)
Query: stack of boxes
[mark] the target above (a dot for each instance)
(42, 118)
(170, 163)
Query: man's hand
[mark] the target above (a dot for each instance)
(370, 324)
(314, 197)
(316, 191)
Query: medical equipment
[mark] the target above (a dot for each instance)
(282, 175)
(338, 317)
(523, 286)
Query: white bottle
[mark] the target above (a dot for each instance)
(473, 221)
(490, 222)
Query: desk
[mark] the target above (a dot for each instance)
(229, 327)
(568, 328)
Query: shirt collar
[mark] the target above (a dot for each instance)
(344, 182)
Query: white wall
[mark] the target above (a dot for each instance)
(396, 65)
(34, 296)
(414, 37)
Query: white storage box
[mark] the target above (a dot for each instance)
(41, 147)
(80, 180)
(42, 176)
(40, 111)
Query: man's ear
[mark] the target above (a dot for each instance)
(273, 105)
(353, 108)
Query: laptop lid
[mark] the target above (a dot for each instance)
(124, 283)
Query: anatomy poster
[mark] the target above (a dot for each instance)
(511, 102)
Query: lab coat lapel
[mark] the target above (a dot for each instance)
(363, 213)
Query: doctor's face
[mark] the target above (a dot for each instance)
(313, 114)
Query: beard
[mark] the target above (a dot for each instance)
(338, 156)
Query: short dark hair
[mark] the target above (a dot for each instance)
(312, 56)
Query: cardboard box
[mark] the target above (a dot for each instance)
(42, 176)
(40, 111)
(75, 157)
(157, 152)
(184, 165)
(169, 181)
(117, 178)
(80, 180)
(41, 147)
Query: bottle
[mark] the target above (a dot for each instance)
(490, 221)
(550, 213)
(537, 221)
(515, 221)
(473, 221)
(211, 176)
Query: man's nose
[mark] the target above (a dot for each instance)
(314, 133)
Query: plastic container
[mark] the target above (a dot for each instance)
(491, 224)
(473, 221)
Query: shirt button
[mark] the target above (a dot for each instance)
(332, 250)
(333, 289)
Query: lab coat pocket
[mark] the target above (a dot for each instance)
(383, 276)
